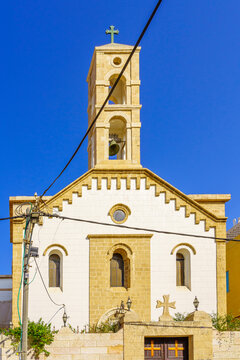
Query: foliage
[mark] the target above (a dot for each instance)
(180, 316)
(225, 323)
(221, 323)
(72, 328)
(39, 335)
(106, 327)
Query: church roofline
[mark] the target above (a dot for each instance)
(115, 46)
(223, 198)
(162, 186)
(109, 48)
(137, 173)
(131, 172)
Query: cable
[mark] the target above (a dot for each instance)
(108, 97)
(46, 287)
(33, 277)
(128, 227)
(20, 285)
(13, 217)
(19, 208)
(55, 314)
(138, 228)
(19, 290)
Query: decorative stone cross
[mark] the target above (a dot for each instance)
(166, 305)
(112, 32)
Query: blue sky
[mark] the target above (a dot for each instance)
(190, 85)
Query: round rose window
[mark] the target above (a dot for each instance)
(119, 215)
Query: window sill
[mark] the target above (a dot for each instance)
(183, 288)
(119, 289)
(55, 290)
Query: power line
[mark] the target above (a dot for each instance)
(13, 217)
(127, 227)
(46, 287)
(108, 97)
(137, 228)
(55, 314)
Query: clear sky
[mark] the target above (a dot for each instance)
(190, 86)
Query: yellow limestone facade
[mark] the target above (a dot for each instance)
(121, 116)
(131, 214)
(233, 268)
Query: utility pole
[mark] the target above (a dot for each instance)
(31, 220)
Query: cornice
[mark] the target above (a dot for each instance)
(119, 236)
(161, 186)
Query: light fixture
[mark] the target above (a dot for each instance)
(65, 317)
(196, 303)
(129, 303)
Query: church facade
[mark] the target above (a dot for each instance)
(144, 238)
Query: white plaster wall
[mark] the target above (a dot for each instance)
(5, 283)
(147, 211)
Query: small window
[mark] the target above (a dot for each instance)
(117, 61)
(180, 269)
(227, 281)
(54, 270)
(117, 271)
(119, 215)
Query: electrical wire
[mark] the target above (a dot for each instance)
(137, 228)
(55, 314)
(13, 217)
(20, 285)
(33, 278)
(108, 97)
(19, 209)
(128, 227)
(46, 287)
(19, 290)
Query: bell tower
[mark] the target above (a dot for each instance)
(114, 140)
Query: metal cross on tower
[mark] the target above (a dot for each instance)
(112, 32)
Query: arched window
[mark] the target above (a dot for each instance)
(117, 133)
(119, 93)
(117, 271)
(180, 269)
(183, 268)
(54, 271)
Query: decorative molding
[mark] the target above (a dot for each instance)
(122, 207)
(122, 246)
(184, 244)
(151, 180)
(108, 314)
(55, 245)
(119, 236)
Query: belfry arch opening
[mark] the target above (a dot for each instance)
(117, 138)
(119, 93)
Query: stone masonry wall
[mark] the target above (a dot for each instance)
(226, 345)
(70, 346)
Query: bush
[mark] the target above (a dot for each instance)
(225, 323)
(39, 335)
(106, 327)
(180, 316)
(221, 323)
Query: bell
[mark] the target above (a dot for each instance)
(113, 148)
